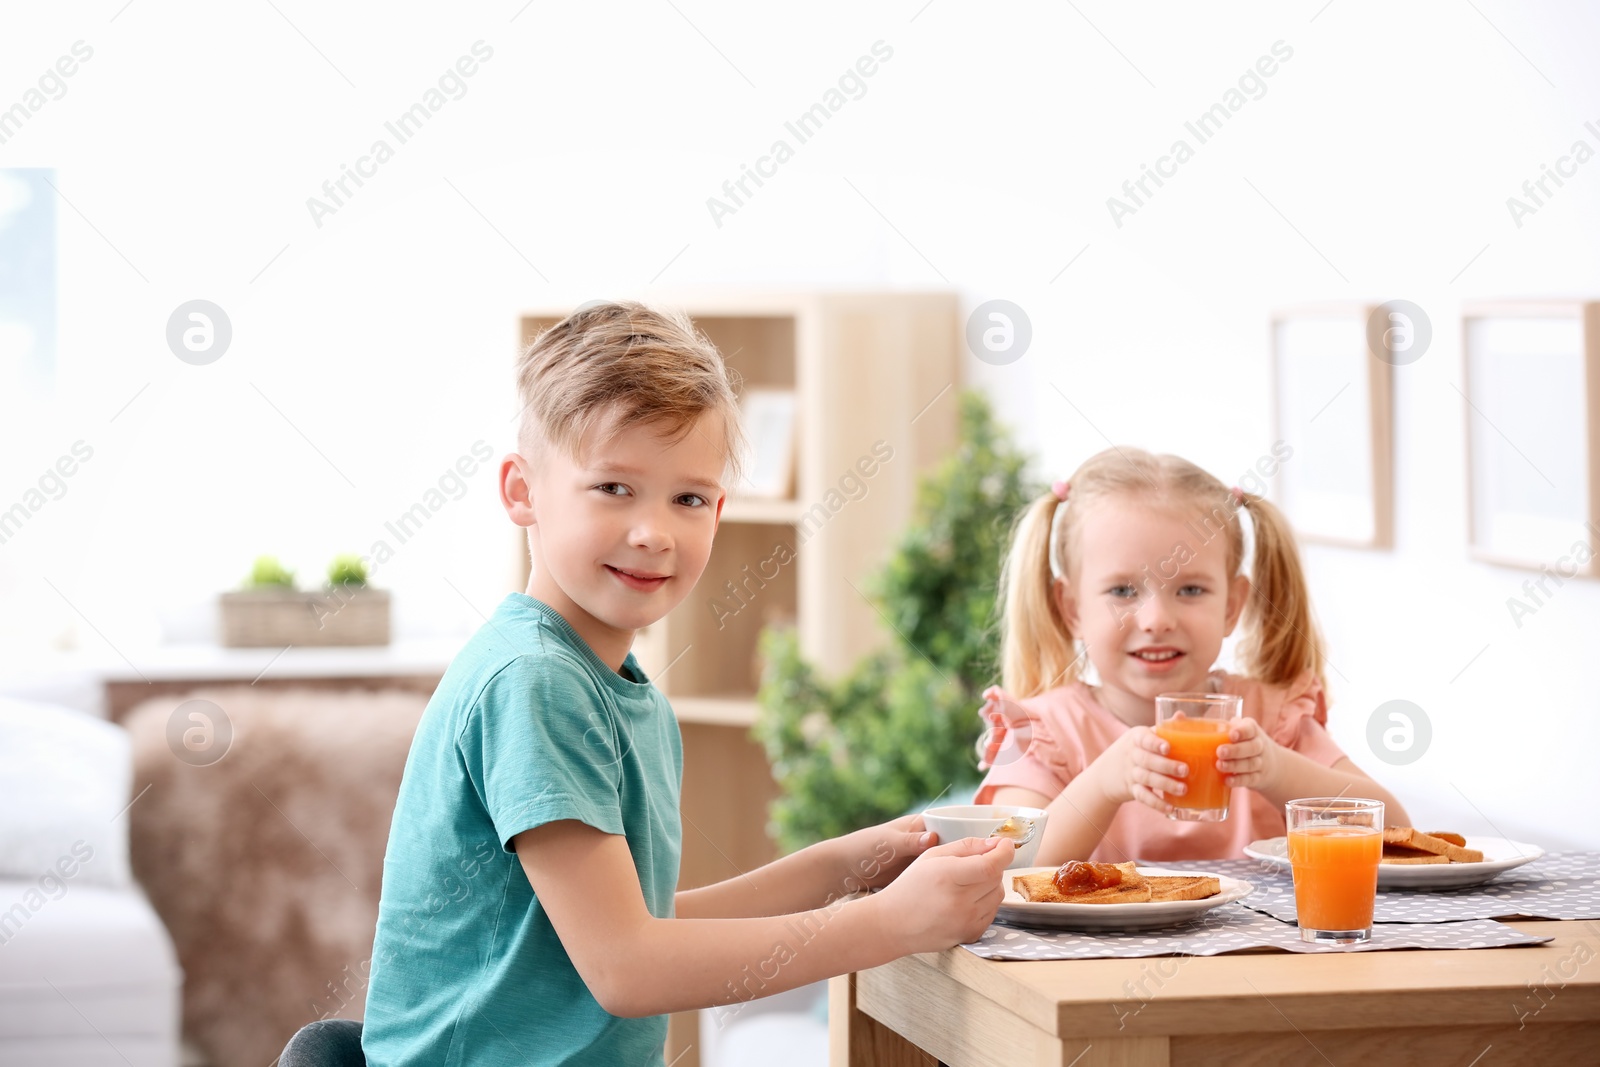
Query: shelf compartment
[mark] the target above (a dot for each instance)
(761, 510)
(711, 639)
(716, 711)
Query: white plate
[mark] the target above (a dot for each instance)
(1499, 855)
(1116, 916)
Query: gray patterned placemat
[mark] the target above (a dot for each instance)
(1230, 928)
(1561, 885)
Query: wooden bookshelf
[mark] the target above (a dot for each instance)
(874, 374)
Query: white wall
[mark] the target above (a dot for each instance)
(989, 143)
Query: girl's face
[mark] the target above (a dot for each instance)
(1151, 597)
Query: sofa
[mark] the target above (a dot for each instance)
(88, 972)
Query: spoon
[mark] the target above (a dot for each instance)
(1018, 829)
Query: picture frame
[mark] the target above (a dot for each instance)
(1531, 404)
(1332, 406)
(769, 417)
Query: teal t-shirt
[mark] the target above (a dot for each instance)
(527, 727)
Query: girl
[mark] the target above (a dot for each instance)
(1136, 564)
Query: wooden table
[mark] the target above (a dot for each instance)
(1488, 1007)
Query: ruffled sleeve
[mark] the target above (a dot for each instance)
(1033, 756)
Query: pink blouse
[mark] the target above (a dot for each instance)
(1070, 730)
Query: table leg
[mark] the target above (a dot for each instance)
(683, 1039)
(858, 1040)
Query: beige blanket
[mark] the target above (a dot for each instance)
(266, 865)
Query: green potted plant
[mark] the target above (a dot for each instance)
(268, 611)
(898, 730)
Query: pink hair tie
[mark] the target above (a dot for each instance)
(1060, 489)
(1238, 495)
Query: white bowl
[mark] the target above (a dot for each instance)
(955, 821)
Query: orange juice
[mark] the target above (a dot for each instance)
(1195, 742)
(1335, 875)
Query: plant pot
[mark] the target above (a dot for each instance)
(273, 618)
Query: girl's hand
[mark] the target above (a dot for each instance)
(1003, 718)
(1136, 767)
(1249, 759)
(875, 856)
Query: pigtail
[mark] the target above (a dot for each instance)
(1281, 638)
(1035, 643)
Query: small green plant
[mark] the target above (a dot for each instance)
(347, 571)
(898, 730)
(268, 573)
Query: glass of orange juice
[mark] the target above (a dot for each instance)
(1194, 726)
(1335, 844)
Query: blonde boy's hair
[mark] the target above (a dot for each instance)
(610, 366)
(1279, 639)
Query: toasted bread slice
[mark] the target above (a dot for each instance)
(1041, 889)
(1166, 887)
(1403, 854)
(1135, 888)
(1446, 835)
(1037, 888)
(1416, 839)
(1121, 894)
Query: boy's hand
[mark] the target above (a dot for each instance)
(875, 856)
(1135, 767)
(947, 897)
(1249, 759)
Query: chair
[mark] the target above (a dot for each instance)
(325, 1043)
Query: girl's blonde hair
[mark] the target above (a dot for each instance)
(1279, 639)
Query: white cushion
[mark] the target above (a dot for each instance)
(63, 687)
(66, 778)
(91, 1051)
(88, 977)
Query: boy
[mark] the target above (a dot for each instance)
(528, 912)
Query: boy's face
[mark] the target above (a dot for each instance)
(621, 533)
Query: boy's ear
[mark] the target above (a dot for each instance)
(516, 489)
(1238, 596)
